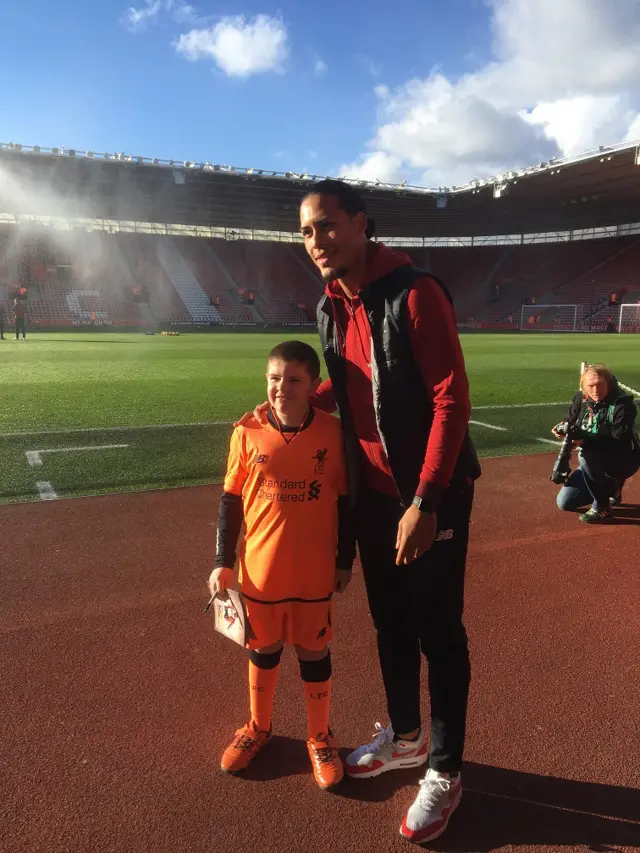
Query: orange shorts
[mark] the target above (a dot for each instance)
(299, 623)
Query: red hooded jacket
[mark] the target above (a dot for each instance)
(433, 337)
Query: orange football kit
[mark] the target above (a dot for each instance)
(290, 485)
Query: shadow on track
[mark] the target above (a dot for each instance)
(502, 807)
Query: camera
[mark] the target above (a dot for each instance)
(562, 466)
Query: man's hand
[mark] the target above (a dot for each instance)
(416, 533)
(259, 413)
(219, 582)
(342, 579)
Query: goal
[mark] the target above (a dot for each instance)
(552, 318)
(629, 317)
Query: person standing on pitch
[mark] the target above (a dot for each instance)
(20, 315)
(397, 377)
(2, 318)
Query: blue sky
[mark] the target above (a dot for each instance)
(423, 90)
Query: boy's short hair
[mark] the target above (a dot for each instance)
(299, 352)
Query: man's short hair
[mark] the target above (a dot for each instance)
(299, 352)
(349, 199)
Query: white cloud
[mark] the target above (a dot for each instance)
(183, 13)
(136, 19)
(564, 78)
(633, 134)
(376, 166)
(320, 68)
(178, 10)
(239, 47)
(584, 122)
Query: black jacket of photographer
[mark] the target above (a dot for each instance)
(606, 427)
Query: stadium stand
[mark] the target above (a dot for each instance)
(276, 275)
(192, 280)
(140, 252)
(204, 264)
(584, 273)
(67, 284)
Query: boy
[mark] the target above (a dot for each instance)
(286, 479)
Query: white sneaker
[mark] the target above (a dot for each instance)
(383, 753)
(428, 817)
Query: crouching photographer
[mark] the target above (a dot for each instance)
(601, 422)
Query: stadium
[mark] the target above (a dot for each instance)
(109, 253)
(106, 244)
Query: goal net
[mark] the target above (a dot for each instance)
(629, 318)
(552, 318)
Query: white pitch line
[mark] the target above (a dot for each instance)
(489, 426)
(630, 390)
(111, 429)
(518, 406)
(549, 441)
(219, 423)
(34, 457)
(46, 490)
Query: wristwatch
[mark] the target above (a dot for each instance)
(423, 504)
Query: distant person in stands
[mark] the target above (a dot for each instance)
(251, 298)
(603, 416)
(2, 319)
(20, 315)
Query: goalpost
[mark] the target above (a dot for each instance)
(629, 317)
(552, 318)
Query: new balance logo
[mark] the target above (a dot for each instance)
(444, 535)
(314, 490)
(260, 458)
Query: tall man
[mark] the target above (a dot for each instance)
(397, 377)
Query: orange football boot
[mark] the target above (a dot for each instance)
(327, 764)
(244, 747)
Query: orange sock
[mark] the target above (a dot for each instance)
(262, 689)
(317, 697)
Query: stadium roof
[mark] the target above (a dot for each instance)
(594, 190)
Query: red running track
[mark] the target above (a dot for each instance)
(117, 697)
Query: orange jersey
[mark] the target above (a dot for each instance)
(290, 502)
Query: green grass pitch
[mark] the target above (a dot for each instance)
(171, 401)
